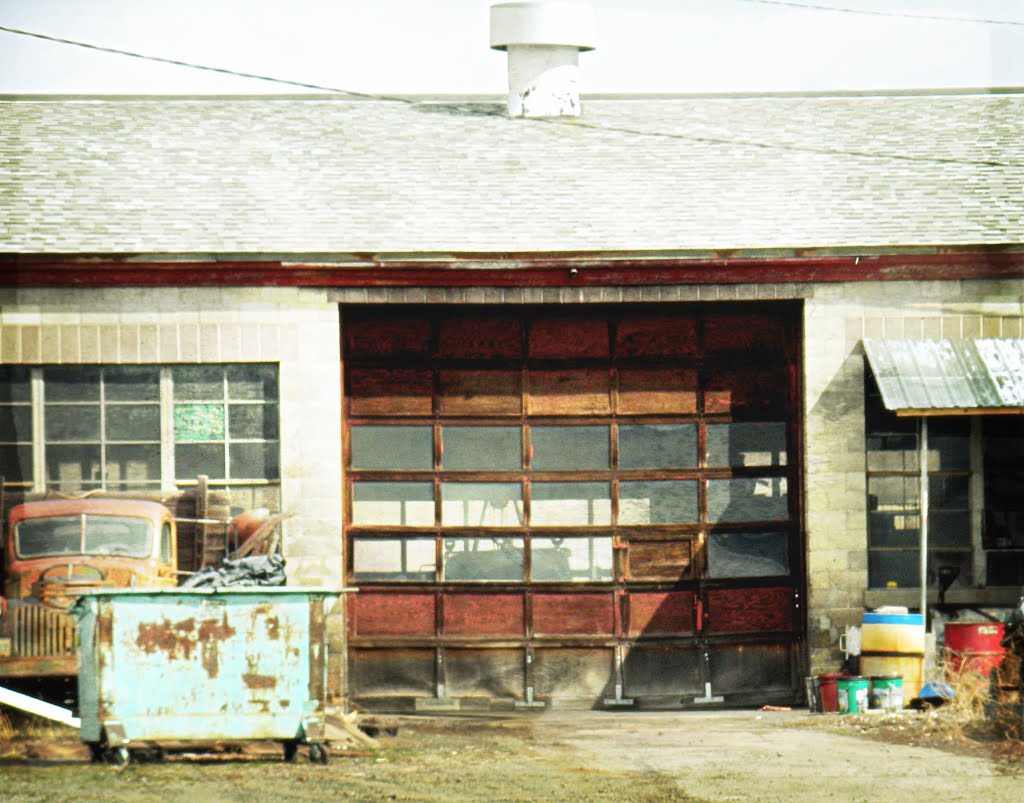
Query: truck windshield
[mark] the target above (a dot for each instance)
(83, 535)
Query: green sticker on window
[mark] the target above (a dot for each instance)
(199, 422)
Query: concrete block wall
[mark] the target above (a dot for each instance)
(295, 328)
(836, 319)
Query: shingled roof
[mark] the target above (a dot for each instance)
(313, 174)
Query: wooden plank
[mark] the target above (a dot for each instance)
(568, 614)
(661, 613)
(483, 614)
(517, 270)
(750, 610)
(391, 614)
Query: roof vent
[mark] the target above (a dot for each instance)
(543, 41)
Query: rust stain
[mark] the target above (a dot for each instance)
(273, 628)
(211, 633)
(254, 681)
(176, 639)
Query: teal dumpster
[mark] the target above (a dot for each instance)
(163, 666)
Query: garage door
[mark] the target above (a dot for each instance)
(598, 505)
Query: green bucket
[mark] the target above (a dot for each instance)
(887, 692)
(853, 695)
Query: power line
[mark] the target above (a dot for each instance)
(193, 66)
(873, 13)
(553, 121)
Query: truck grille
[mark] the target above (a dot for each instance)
(41, 632)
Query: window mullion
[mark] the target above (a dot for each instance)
(38, 432)
(166, 429)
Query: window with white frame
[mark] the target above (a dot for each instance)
(139, 427)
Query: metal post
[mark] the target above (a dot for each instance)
(923, 519)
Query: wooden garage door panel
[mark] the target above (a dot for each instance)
(573, 614)
(661, 613)
(657, 390)
(389, 392)
(568, 338)
(391, 614)
(657, 336)
(750, 610)
(403, 337)
(483, 614)
(660, 560)
(579, 391)
(480, 392)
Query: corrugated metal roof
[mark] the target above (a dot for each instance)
(333, 175)
(932, 377)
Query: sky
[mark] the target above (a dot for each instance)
(441, 46)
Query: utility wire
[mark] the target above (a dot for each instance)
(552, 121)
(191, 65)
(874, 13)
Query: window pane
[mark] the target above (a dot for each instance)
(747, 554)
(133, 422)
(198, 422)
(892, 452)
(198, 383)
(166, 544)
(949, 493)
(14, 384)
(897, 530)
(901, 569)
(73, 467)
(481, 504)
(747, 499)
(254, 460)
(893, 494)
(409, 504)
(131, 383)
(748, 444)
(949, 529)
(483, 559)
(133, 464)
(72, 384)
(570, 503)
(566, 448)
(657, 445)
(396, 448)
(117, 535)
(251, 382)
(76, 423)
(481, 448)
(393, 559)
(16, 424)
(948, 452)
(571, 559)
(16, 463)
(252, 421)
(193, 459)
(658, 502)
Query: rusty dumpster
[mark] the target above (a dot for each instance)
(159, 666)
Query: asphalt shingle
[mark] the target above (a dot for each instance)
(313, 174)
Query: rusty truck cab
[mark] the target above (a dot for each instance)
(56, 550)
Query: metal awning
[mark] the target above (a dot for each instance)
(949, 377)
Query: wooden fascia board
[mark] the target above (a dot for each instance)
(496, 270)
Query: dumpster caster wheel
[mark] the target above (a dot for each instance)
(95, 752)
(290, 749)
(317, 754)
(118, 756)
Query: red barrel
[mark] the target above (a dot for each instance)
(973, 647)
(829, 692)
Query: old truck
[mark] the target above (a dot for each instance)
(55, 550)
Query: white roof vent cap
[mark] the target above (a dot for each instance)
(543, 41)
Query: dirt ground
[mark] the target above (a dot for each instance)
(561, 756)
